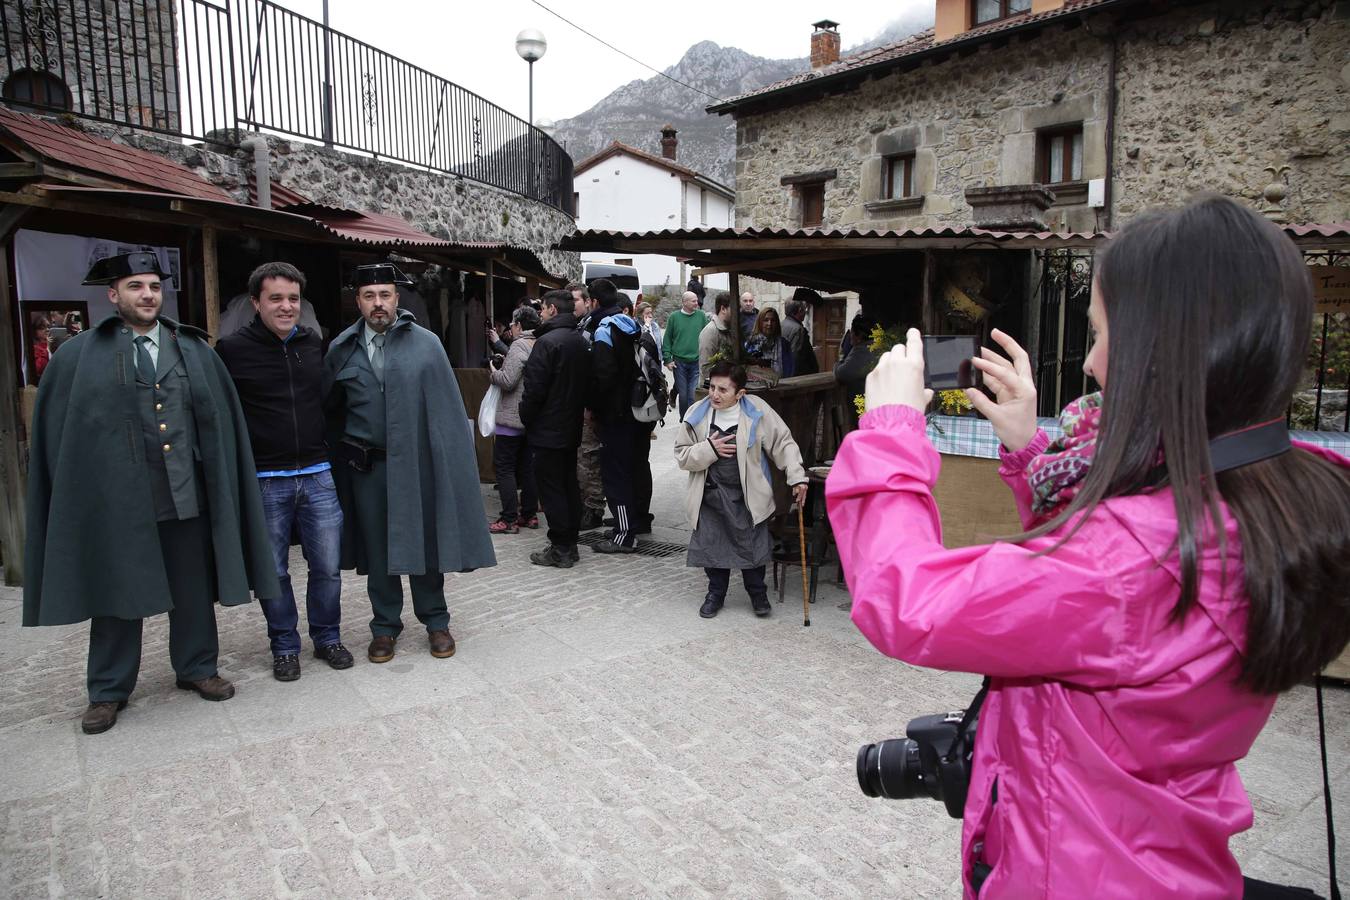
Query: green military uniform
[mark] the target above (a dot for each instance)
(177, 492)
(363, 401)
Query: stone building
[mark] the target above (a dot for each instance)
(1060, 114)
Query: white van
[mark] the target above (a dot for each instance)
(625, 278)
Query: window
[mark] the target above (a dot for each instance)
(34, 88)
(576, 204)
(1059, 155)
(623, 262)
(991, 10)
(813, 203)
(897, 177)
(703, 206)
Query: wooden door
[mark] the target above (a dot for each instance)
(828, 325)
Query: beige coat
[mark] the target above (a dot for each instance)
(761, 436)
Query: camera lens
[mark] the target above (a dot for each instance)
(891, 769)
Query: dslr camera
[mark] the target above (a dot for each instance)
(932, 760)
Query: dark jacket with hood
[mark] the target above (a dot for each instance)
(436, 518)
(557, 380)
(93, 541)
(613, 370)
(280, 385)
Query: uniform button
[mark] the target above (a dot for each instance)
(163, 427)
(156, 387)
(167, 448)
(126, 331)
(159, 407)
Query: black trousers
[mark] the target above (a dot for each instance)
(625, 449)
(512, 459)
(115, 644)
(555, 480)
(370, 504)
(720, 579)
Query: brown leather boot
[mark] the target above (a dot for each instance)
(99, 717)
(213, 688)
(381, 648)
(442, 643)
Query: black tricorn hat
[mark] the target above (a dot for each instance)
(110, 268)
(378, 273)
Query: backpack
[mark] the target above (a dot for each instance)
(649, 399)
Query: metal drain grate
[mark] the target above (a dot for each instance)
(657, 549)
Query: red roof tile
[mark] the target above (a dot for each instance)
(104, 157)
(910, 46)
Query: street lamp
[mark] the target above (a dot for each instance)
(530, 46)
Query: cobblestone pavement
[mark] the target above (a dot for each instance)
(593, 736)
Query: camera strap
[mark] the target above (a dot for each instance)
(1326, 791)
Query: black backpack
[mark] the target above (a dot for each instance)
(649, 399)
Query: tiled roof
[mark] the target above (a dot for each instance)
(1331, 230)
(911, 46)
(104, 157)
(616, 147)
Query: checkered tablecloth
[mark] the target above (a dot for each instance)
(970, 436)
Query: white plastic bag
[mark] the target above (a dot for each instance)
(487, 413)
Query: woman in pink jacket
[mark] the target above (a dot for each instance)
(1184, 564)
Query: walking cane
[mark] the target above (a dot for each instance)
(806, 591)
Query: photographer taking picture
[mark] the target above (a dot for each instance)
(1185, 563)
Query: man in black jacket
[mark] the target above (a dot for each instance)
(277, 368)
(557, 377)
(625, 442)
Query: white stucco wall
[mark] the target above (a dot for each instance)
(627, 194)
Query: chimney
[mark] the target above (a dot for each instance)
(824, 43)
(668, 141)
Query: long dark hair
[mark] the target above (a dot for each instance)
(1209, 309)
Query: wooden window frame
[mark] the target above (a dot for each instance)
(1066, 173)
(806, 190)
(888, 187)
(1004, 12)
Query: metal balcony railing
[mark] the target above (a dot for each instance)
(197, 68)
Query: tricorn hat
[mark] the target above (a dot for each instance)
(379, 273)
(110, 268)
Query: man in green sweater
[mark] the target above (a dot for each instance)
(680, 347)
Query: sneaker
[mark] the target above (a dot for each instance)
(552, 556)
(712, 605)
(573, 553)
(760, 605)
(590, 519)
(501, 526)
(286, 667)
(336, 655)
(611, 547)
(531, 522)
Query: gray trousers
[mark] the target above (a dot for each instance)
(115, 644)
(370, 499)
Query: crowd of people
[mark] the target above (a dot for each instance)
(198, 469)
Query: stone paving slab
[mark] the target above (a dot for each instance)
(591, 737)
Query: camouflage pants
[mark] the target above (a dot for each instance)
(588, 470)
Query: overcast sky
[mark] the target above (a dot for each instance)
(472, 42)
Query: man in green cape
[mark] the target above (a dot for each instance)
(142, 497)
(404, 464)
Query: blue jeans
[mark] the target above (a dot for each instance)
(308, 505)
(686, 382)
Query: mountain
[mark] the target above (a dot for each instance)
(634, 113)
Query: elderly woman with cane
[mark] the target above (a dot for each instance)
(726, 443)
(1183, 565)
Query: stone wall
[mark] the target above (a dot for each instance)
(442, 205)
(1266, 85)
(1208, 96)
(83, 44)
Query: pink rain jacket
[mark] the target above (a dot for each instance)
(1111, 731)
